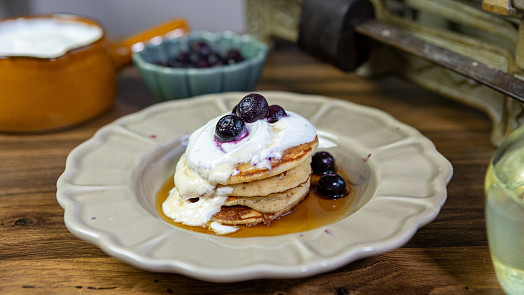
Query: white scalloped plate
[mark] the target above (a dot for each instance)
(110, 181)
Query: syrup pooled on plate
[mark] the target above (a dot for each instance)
(313, 212)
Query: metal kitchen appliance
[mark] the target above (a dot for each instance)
(470, 51)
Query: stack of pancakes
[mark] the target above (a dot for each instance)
(262, 195)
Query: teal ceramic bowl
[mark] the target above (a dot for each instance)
(168, 83)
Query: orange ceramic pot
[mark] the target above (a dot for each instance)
(40, 94)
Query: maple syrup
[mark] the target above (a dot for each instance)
(313, 212)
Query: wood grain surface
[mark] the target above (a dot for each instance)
(448, 256)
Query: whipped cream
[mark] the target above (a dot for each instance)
(207, 163)
(44, 37)
(264, 142)
(196, 213)
(221, 229)
(191, 183)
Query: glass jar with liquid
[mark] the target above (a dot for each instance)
(504, 191)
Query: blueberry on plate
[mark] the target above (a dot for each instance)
(252, 107)
(322, 163)
(229, 128)
(332, 186)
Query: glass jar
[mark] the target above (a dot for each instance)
(504, 192)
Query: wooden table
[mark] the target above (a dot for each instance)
(448, 256)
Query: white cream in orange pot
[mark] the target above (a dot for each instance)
(59, 70)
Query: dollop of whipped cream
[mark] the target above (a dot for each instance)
(265, 141)
(196, 213)
(207, 162)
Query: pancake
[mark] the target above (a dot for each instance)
(262, 195)
(279, 204)
(249, 173)
(291, 158)
(275, 184)
(274, 202)
(294, 165)
(243, 215)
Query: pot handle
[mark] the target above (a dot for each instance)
(121, 51)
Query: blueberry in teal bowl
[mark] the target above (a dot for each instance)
(200, 62)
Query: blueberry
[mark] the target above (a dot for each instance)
(173, 63)
(200, 54)
(332, 186)
(202, 63)
(322, 163)
(229, 128)
(233, 56)
(275, 112)
(214, 60)
(201, 48)
(182, 58)
(194, 58)
(252, 107)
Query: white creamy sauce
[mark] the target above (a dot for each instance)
(193, 213)
(221, 229)
(44, 37)
(207, 163)
(190, 183)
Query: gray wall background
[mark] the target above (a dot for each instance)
(122, 18)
